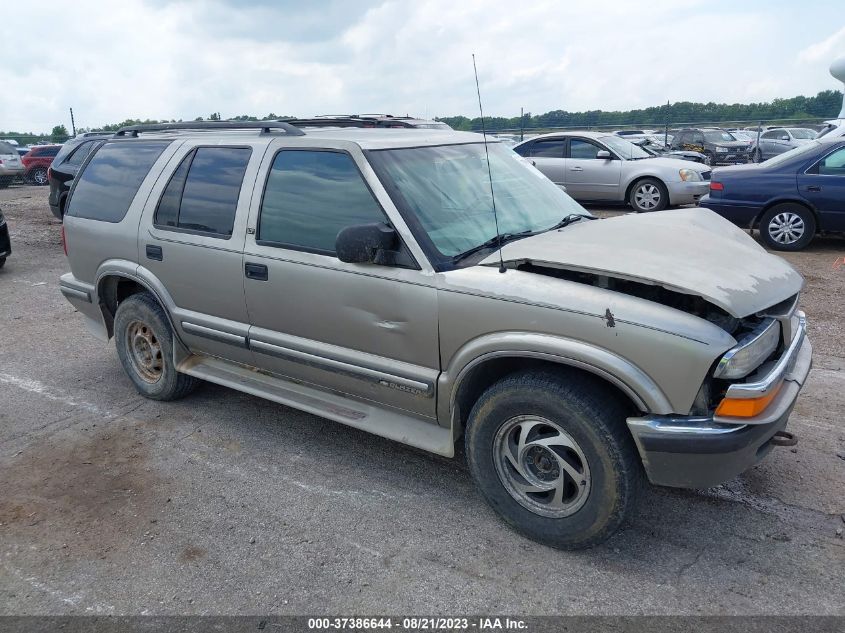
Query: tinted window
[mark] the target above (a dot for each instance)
(110, 181)
(551, 148)
(78, 155)
(524, 150)
(310, 196)
(582, 149)
(772, 134)
(46, 151)
(7, 148)
(205, 188)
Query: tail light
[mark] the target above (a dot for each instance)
(49, 173)
(64, 240)
(716, 186)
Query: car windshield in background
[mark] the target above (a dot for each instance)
(718, 136)
(7, 149)
(624, 148)
(782, 158)
(447, 189)
(802, 133)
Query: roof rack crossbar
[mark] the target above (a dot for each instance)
(265, 126)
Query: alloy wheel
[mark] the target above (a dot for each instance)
(647, 196)
(541, 466)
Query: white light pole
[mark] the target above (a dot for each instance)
(837, 69)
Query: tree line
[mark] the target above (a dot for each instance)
(824, 105)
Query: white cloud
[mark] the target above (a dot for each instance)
(158, 59)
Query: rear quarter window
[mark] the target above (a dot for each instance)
(111, 179)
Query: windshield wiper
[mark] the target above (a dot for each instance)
(569, 219)
(493, 242)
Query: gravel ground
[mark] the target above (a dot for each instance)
(227, 504)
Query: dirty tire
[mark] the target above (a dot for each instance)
(142, 332)
(787, 227)
(648, 194)
(591, 414)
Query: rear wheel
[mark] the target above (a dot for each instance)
(552, 456)
(788, 227)
(38, 176)
(648, 194)
(144, 343)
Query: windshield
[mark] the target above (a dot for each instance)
(782, 158)
(446, 189)
(718, 136)
(802, 133)
(624, 148)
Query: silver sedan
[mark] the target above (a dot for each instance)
(601, 167)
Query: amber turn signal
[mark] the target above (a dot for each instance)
(745, 407)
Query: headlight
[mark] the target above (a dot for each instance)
(752, 350)
(721, 150)
(690, 175)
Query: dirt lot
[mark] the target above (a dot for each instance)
(225, 503)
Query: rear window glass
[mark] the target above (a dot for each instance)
(7, 148)
(202, 195)
(78, 155)
(112, 178)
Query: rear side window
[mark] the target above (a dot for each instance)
(78, 155)
(552, 148)
(310, 196)
(202, 195)
(111, 179)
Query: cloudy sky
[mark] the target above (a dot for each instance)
(169, 60)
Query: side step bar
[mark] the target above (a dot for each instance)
(388, 423)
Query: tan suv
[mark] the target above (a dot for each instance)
(356, 274)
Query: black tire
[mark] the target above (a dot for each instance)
(593, 416)
(2, 262)
(757, 156)
(785, 215)
(38, 176)
(652, 190)
(141, 326)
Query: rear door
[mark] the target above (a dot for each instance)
(823, 185)
(365, 330)
(191, 238)
(547, 154)
(588, 177)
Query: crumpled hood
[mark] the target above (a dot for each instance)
(693, 251)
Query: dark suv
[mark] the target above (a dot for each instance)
(65, 165)
(37, 162)
(719, 146)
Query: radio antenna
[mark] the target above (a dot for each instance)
(489, 173)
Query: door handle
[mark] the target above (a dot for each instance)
(813, 188)
(154, 252)
(576, 169)
(256, 271)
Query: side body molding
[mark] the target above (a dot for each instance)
(628, 377)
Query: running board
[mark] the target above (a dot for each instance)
(388, 423)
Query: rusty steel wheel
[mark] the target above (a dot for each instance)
(144, 352)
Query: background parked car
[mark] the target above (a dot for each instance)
(597, 166)
(790, 197)
(779, 140)
(657, 148)
(37, 162)
(65, 166)
(717, 144)
(11, 166)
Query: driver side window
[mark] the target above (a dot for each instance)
(581, 149)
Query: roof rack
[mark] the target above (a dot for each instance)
(264, 126)
(349, 120)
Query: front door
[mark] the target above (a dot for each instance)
(588, 177)
(365, 330)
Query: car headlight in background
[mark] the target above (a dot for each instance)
(721, 150)
(752, 350)
(690, 175)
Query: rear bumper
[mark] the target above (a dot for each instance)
(699, 452)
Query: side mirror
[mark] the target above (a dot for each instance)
(603, 154)
(366, 243)
(784, 137)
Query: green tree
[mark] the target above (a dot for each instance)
(59, 134)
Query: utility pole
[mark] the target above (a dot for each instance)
(72, 123)
(666, 129)
(521, 124)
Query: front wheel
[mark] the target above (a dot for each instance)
(144, 343)
(38, 176)
(788, 227)
(648, 194)
(552, 456)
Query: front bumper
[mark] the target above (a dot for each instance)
(687, 192)
(699, 452)
(732, 158)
